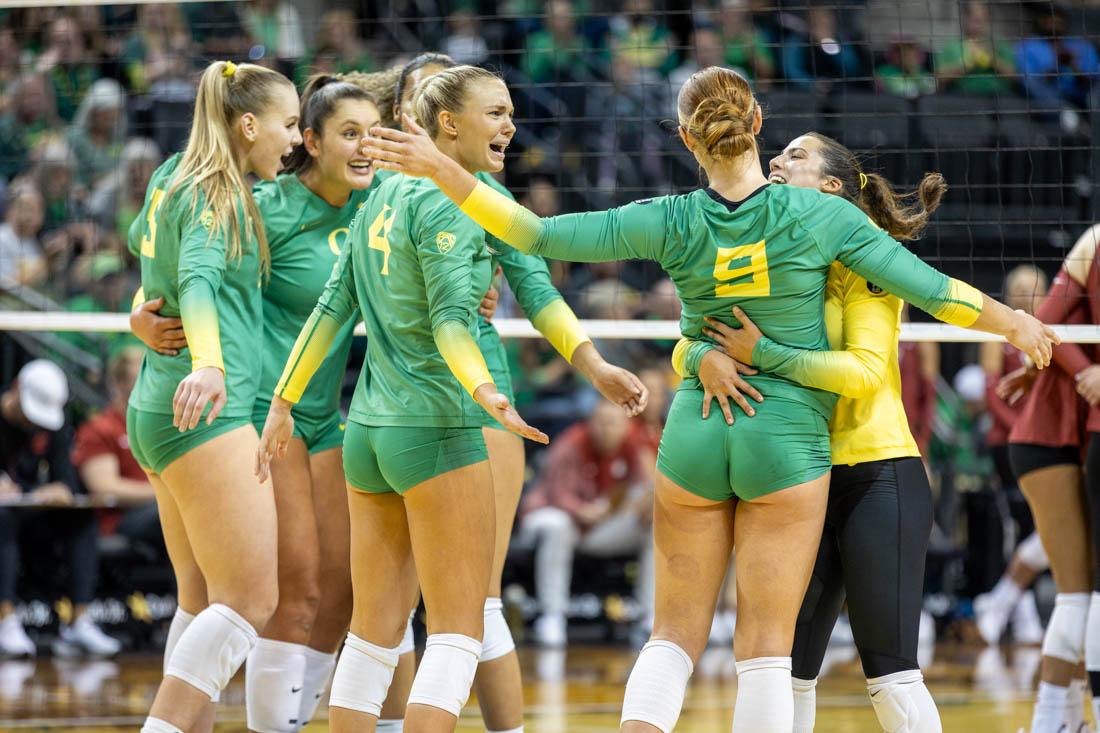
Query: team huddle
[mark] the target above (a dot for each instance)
(301, 547)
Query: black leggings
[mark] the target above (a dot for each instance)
(873, 548)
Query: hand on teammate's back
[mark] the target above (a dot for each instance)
(488, 306)
(162, 335)
(721, 379)
(278, 430)
(195, 391)
(500, 408)
(738, 343)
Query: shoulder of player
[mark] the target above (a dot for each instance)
(488, 179)
(1083, 255)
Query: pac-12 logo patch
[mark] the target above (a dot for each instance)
(445, 241)
(873, 289)
(206, 218)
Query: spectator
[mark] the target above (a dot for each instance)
(11, 57)
(30, 117)
(276, 27)
(823, 55)
(905, 73)
(647, 428)
(65, 62)
(558, 53)
(21, 259)
(158, 54)
(745, 46)
(216, 27)
(1055, 68)
(116, 201)
(102, 456)
(640, 40)
(977, 63)
(465, 43)
(339, 48)
(99, 131)
(35, 469)
(101, 285)
(594, 495)
(919, 364)
(706, 50)
(55, 174)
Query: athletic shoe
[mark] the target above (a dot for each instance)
(549, 630)
(1027, 627)
(14, 641)
(990, 617)
(89, 638)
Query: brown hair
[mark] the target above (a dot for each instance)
(380, 85)
(226, 91)
(716, 107)
(320, 98)
(903, 215)
(446, 91)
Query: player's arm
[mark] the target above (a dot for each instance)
(202, 266)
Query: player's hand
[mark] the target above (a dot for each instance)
(162, 335)
(412, 153)
(1016, 384)
(278, 430)
(499, 407)
(738, 343)
(721, 379)
(206, 385)
(614, 383)
(489, 303)
(1033, 337)
(1088, 384)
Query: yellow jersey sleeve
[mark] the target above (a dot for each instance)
(559, 325)
(310, 349)
(139, 298)
(460, 351)
(688, 355)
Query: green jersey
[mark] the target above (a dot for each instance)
(769, 254)
(306, 236)
(219, 301)
(412, 263)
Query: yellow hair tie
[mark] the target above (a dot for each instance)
(862, 181)
(229, 70)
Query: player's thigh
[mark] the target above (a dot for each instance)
(230, 520)
(507, 463)
(299, 553)
(330, 509)
(191, 586)
(777, 537)
(693, 538)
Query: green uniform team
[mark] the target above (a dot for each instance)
(769, 254)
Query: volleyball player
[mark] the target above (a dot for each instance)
(498, 684)
(767, 249)
(879, 513)
(422, 506)
(203, 251)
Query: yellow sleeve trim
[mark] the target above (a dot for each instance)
(962, 306)
(200, 325)
(460, 351)
(559, 324)
(502, 217)
(139, 298)
(679, 358)
(310, 349)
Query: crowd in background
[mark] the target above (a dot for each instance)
(93, 98)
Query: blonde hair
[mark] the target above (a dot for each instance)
(226, 91)
(446, 91)
(380, 85)
(717, 108)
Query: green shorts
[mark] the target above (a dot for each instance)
(496, 358)
(380, 459)
(318, 433)
(785, 444)
(155, 442)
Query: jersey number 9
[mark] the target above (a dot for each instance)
(742, 272)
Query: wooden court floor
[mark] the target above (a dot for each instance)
(578, 690)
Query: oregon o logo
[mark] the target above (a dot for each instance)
(335, 241)
(445, 241)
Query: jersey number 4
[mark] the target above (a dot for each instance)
(379, 235)
(742, 272)
(149, 241)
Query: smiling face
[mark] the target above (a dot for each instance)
(801, 164)
(271, 134)
(335, 149)
(483, 127)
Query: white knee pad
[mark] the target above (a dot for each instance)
(408, 641)
(274, 677)
(805, 704)
(656, 686)
(319, 669)
(363, 676)
(765, 698)
(156, 725)
(446, 672)
(903, 704)
(1092, 634)
(1032, 554)
(497, 640)
(212, 649)
(1065, 635)
(180, 621)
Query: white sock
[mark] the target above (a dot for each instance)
(656, 686)
(156, 725)
(273, 680)
(1075, 705)
(510, 730)
(319, 669)
(1050, 706)
(765, 700)
(1006, 594)
(390, 726)
(805, 704)
(180, 621)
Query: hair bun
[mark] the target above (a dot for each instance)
(717, 108)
